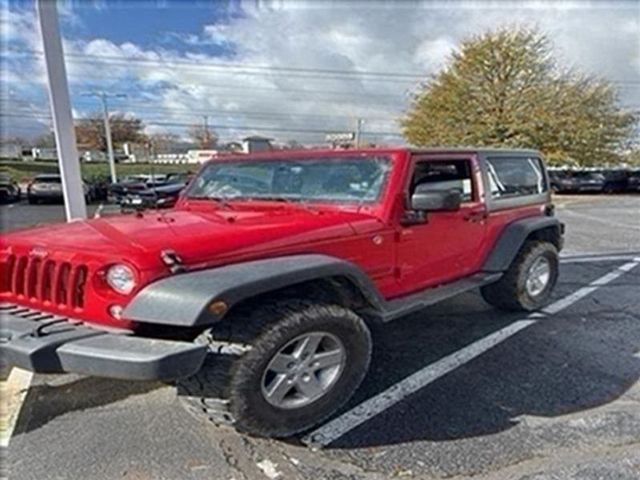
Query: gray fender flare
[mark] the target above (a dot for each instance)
(513, 237)
(183, 300)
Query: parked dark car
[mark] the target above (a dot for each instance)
(566, 181)
(118, 191)
(615, 180)
(98, 189)
(48, 188)
(132, 184)
(561, 181)
(164, 196)
(633, 182)
(9, 189)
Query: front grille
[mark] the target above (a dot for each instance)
(59, 283)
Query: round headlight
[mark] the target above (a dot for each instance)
(121, 278)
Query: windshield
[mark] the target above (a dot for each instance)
(336, 179)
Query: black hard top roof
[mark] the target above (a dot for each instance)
(483, 150)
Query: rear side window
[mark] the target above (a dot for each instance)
(511, 177)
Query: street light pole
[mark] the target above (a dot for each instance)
(107, 133)
(205, 135)
(359, 123)
(68, 159)
(107, 129)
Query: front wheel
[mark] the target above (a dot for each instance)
(528, 282)
(303, 361)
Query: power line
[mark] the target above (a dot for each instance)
(247, 89)
(199, 64)
(124, 62)
(222, 127)
(251, 88)
(140, 108)
(196, 63)
(158, 116)
(144, 107)
(249, 68)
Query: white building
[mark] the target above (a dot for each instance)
(201, 156)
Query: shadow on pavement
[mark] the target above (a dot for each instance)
(581, 358)
(44, 402)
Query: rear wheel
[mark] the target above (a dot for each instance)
(303, 360)
(528, 282)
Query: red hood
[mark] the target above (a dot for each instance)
(210, 236)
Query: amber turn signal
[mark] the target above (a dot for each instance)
(218, 308)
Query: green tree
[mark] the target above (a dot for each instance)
(632, 157)
(503, 88)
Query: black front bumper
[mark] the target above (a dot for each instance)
(47, 343)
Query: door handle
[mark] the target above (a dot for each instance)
(476, 216)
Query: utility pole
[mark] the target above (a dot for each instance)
(205, 133)
(107, 127)
(68, 159)
(359, 123)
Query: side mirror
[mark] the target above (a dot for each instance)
(426, 199)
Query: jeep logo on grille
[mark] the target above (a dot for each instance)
(38, 252)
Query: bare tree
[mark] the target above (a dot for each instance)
(203, 136)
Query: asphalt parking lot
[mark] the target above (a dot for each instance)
(458, 391)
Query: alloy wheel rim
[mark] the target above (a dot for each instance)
(538, 276)
(304, 370)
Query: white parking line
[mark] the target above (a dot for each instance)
(368, 409)
(13, 391)
(597, 258)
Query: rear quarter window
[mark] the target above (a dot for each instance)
(511, 177)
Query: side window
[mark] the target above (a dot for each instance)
(444, 175)
(515, 176)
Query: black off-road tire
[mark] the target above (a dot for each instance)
(227, 389)
(510, 293)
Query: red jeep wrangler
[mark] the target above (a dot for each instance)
(256, 291)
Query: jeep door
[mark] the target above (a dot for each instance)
(445, 245)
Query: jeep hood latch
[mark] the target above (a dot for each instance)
(172, 260)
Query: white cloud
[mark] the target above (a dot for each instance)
(432, 54)
(602, 39)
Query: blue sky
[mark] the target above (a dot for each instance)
(150, 24)
(287, 69)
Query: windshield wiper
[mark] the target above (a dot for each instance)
(289, 201)
(271, 198)
(220, 200)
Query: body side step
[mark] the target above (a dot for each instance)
(417, 301)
